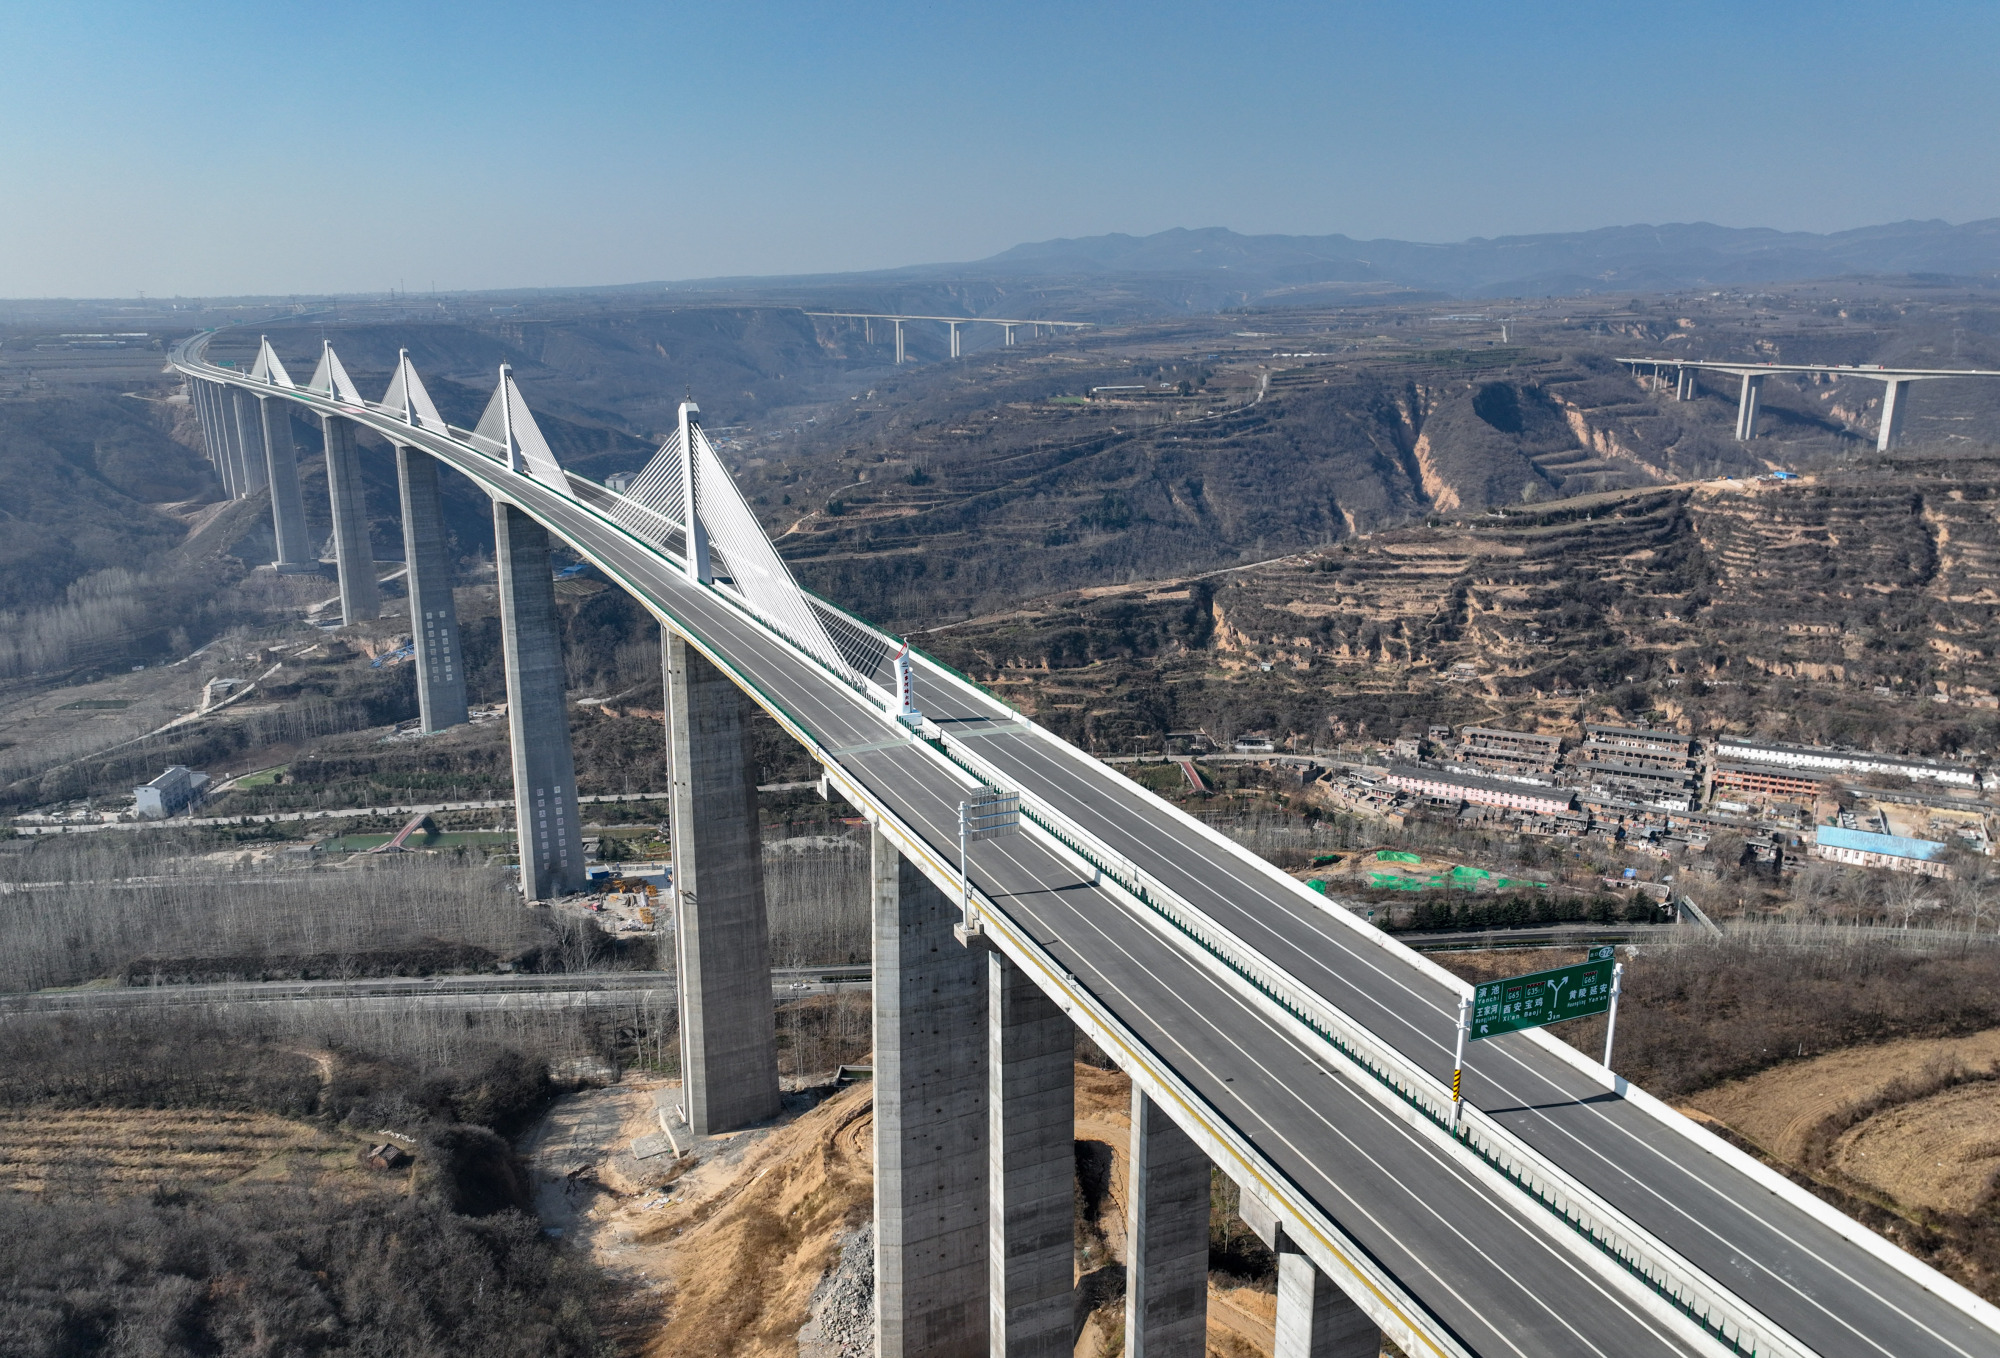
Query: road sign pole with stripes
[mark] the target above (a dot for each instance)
(1458, 1055)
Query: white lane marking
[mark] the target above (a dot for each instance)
(1737, 1247)
(741, 633)
(1320, 1066)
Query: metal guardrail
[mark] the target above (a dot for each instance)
(1688, 1293)
(1421, 1099)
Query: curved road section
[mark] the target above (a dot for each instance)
(1446, 1250)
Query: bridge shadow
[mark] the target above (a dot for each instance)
(1602, 1096)
(1080, 884)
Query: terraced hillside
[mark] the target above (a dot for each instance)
(1860, 606)
(989, 486)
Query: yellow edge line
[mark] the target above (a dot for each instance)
(907, 841)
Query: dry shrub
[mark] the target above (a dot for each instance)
(1702, 1011)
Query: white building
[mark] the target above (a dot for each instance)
(168, 794)
(1844, 761)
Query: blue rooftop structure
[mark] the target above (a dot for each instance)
(1867, 841)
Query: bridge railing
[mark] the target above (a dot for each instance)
(1575, 1213)
(1683, 1292)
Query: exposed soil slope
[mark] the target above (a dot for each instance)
(746, 1255)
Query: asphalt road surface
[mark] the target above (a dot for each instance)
(1477, 1262)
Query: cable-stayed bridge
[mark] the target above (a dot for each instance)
(1268, 1034)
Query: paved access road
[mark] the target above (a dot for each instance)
(585, 990)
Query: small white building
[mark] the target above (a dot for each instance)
(169, 794)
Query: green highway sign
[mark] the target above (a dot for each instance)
(1543, 997)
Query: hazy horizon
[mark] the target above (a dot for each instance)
(474, 148)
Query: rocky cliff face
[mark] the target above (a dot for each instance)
(1876, 592)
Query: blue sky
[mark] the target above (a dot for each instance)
(286, 147)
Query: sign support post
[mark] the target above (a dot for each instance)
(965, 882)
(992, 815)
(1458, 1057)
(1611, 1024)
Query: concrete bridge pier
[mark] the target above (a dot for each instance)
(729, 1042)
(1684, 384)
(546, 822)
(288, 511)
(954, 337)
(1746, 407)
(197, 392)
(227, 465)
(221, 403)
(1007, 336)
(427, 575)
(1166, 1238)
(353, 556)
(1315, 1318)
(1895, 403)
(931, 1017)
(208, 402)
(1031, 1167)
(899, 342)
(249, 441)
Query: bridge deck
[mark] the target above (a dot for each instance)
(1488, 1274)
(1826, 1291)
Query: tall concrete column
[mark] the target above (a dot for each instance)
(243, 423)
(1746, 407)
(1166, 1238)
(954, 337)
(225, 451)
(545, 807)
(198, 398)
(203, 397)
(1031, 1167)
(225, 445)
(281, 469)
(899, 341)
(353, 556)
(722, 947)
(246, 445)
(930, 1120)
(427, 576)
(1315, 1318)
(1895, 402)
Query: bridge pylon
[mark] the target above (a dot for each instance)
(547, 826)
(722, 950)
(427, 577)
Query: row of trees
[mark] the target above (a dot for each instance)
(87, 906)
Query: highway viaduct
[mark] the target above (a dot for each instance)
(951, 323)
(1295, 1049)
(1749, 393)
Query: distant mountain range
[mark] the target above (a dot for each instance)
(1214, 266)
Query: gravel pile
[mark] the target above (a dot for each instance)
(843, 1305)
